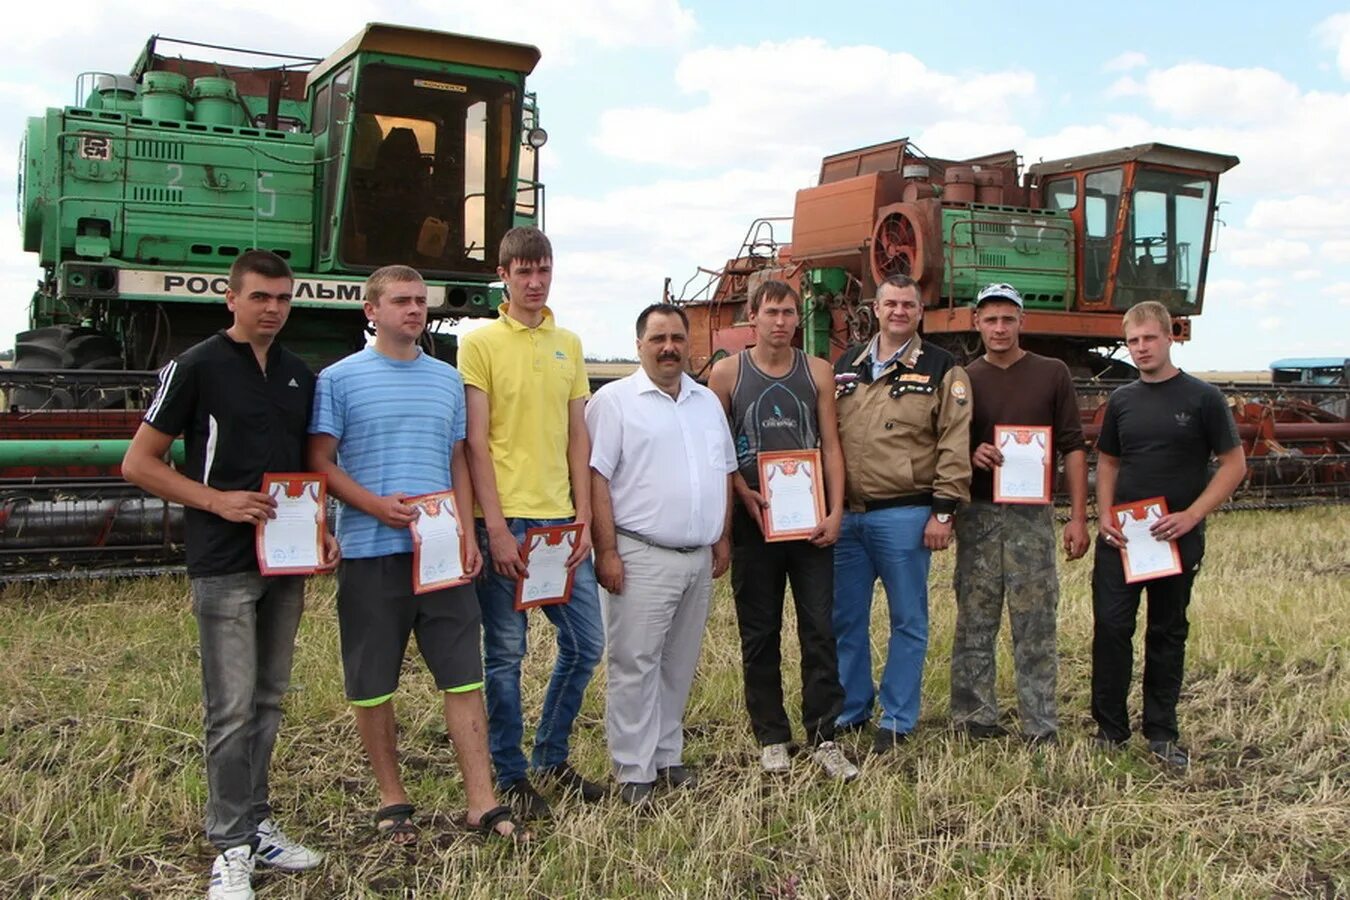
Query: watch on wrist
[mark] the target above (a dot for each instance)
(943, 518)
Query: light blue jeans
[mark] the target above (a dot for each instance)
(246, 625)
(581, 642)
(885, 544)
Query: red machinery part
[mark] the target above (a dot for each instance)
(900, 243)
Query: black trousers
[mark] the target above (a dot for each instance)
(760, 573)
(1115, 607)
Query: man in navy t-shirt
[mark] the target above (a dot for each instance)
(388, 424)
(1156, 441)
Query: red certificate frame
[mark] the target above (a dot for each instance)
(1139, 509)
(1022, 434)
(293, 483)
(552, 535)
(430, 504)
(792, 458)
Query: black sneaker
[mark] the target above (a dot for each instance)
(1170, 753)
(887, 740)
(570, 781)
(1048, 739)
(1104, 744)
(852, 728)
(982, 732)
(677, 778)
(527, 801)
(637, 794)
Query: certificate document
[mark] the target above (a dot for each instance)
(292, 543)
(1028, 461)
(548, 579)
(792, 482)
(1145, 557)
(438, 543)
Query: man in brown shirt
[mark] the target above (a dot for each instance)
(1009, 548)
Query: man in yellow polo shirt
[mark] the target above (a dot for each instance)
(526, 387)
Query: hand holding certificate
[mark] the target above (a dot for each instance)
(547, 579)
(438, 543)
(791, 482)
(292, 542)
(1026, 473)
(1145, 557)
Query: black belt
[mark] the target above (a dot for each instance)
(923, 499)
(651, 543)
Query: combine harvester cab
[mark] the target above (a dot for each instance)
(1082, 239)
(402, 146)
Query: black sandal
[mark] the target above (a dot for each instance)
(395, 822)
(487, 825)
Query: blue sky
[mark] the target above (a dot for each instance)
(674, 124)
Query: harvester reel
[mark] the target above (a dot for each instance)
(897, 244)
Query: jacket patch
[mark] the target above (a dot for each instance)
(959, 393)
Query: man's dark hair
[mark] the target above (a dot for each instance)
(773, 290)
(524, 244)
(258, 262)
(899, 281)
(665, 309)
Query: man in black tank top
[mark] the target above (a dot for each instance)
(778, 398)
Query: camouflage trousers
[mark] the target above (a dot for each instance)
(1005, 551)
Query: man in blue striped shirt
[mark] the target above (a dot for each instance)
(388, 424)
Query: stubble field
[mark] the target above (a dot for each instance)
(101, 778)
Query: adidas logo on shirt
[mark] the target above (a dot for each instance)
(293, 384)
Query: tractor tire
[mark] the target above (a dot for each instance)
(65, 347)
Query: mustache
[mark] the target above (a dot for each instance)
(662, 357)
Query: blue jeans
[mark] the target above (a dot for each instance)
(884, 543)
(246, 626)
(581, 643)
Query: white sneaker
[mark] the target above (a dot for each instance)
(277, 850)
(232, 875)
(774, 758)
(836, 765)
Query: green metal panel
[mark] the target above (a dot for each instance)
(818, 288)
(1031, 249)
(72, 453)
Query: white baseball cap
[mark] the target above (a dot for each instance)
(999, 292)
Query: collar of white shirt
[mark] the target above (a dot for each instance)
(645, 384)
(880, 365)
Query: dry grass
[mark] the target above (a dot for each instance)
(101, 782)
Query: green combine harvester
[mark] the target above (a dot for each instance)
(402, 146)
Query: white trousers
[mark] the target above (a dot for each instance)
(653, 635)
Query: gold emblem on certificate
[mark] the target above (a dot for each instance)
(438, 543)
(1027, 472)
(547, 579)
(1144, 556)
(292, 542)
(793, 484)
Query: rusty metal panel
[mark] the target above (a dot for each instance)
(832, 223)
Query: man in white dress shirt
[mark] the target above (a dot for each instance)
(661, 464)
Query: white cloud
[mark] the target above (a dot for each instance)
(1335, 251)
(1125, 87)
(1216, 93)
(1304, 214)
(1130, 59)
(1270, 323)
(1335, 33)
(749, 102)
(1278, 253)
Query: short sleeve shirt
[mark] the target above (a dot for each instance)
(666, 458)
(1164, 434)
(237, 422)
(396, 422)
(530, 375)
